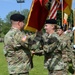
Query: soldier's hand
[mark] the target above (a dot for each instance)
(32, 52)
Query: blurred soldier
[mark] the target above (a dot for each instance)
(16, 48)
(67, 53)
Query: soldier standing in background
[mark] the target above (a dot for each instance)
(67, 53)
(16, 49)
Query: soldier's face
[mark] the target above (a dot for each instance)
(59, 32)
(48, 28)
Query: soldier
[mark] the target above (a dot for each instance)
(52, 49)
(67, 53)
(16, 48)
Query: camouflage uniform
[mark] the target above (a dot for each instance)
(67, 54)
(17, 52)
(53, 55)
(72, 51)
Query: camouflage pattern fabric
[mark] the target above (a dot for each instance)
(16, 52)
(65, 39)
(67, 53)
(71, 54)
(53, 54)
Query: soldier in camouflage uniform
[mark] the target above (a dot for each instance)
(70, 35)
(67, 53)
(16, 49)
(52, 48)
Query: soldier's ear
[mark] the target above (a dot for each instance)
(19, 23)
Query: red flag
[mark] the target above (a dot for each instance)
(67, 4)
(37, 16)
(54, 8)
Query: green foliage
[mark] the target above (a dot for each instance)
(70, 19)
(5, 28)
(59, 17)
(25, 12)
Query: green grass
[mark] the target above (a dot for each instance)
(3, 64)
(38, 66)
(37, 60)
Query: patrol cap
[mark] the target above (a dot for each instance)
(51, 21)
(60, 27)
(17, 17)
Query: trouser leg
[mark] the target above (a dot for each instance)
(57, 73)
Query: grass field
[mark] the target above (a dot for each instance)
(38, 64)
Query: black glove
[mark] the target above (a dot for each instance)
(38, 36)
(52, 40)
(38, 53)
(42, 41)
(30, 42)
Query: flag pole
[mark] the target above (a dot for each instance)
(62, 12)
(74, 24)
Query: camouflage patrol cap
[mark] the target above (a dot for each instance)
(51, 21)
(17, 17)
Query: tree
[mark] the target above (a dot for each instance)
(70, 19)
(25, 12)
(5, 27)
(1, 23)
